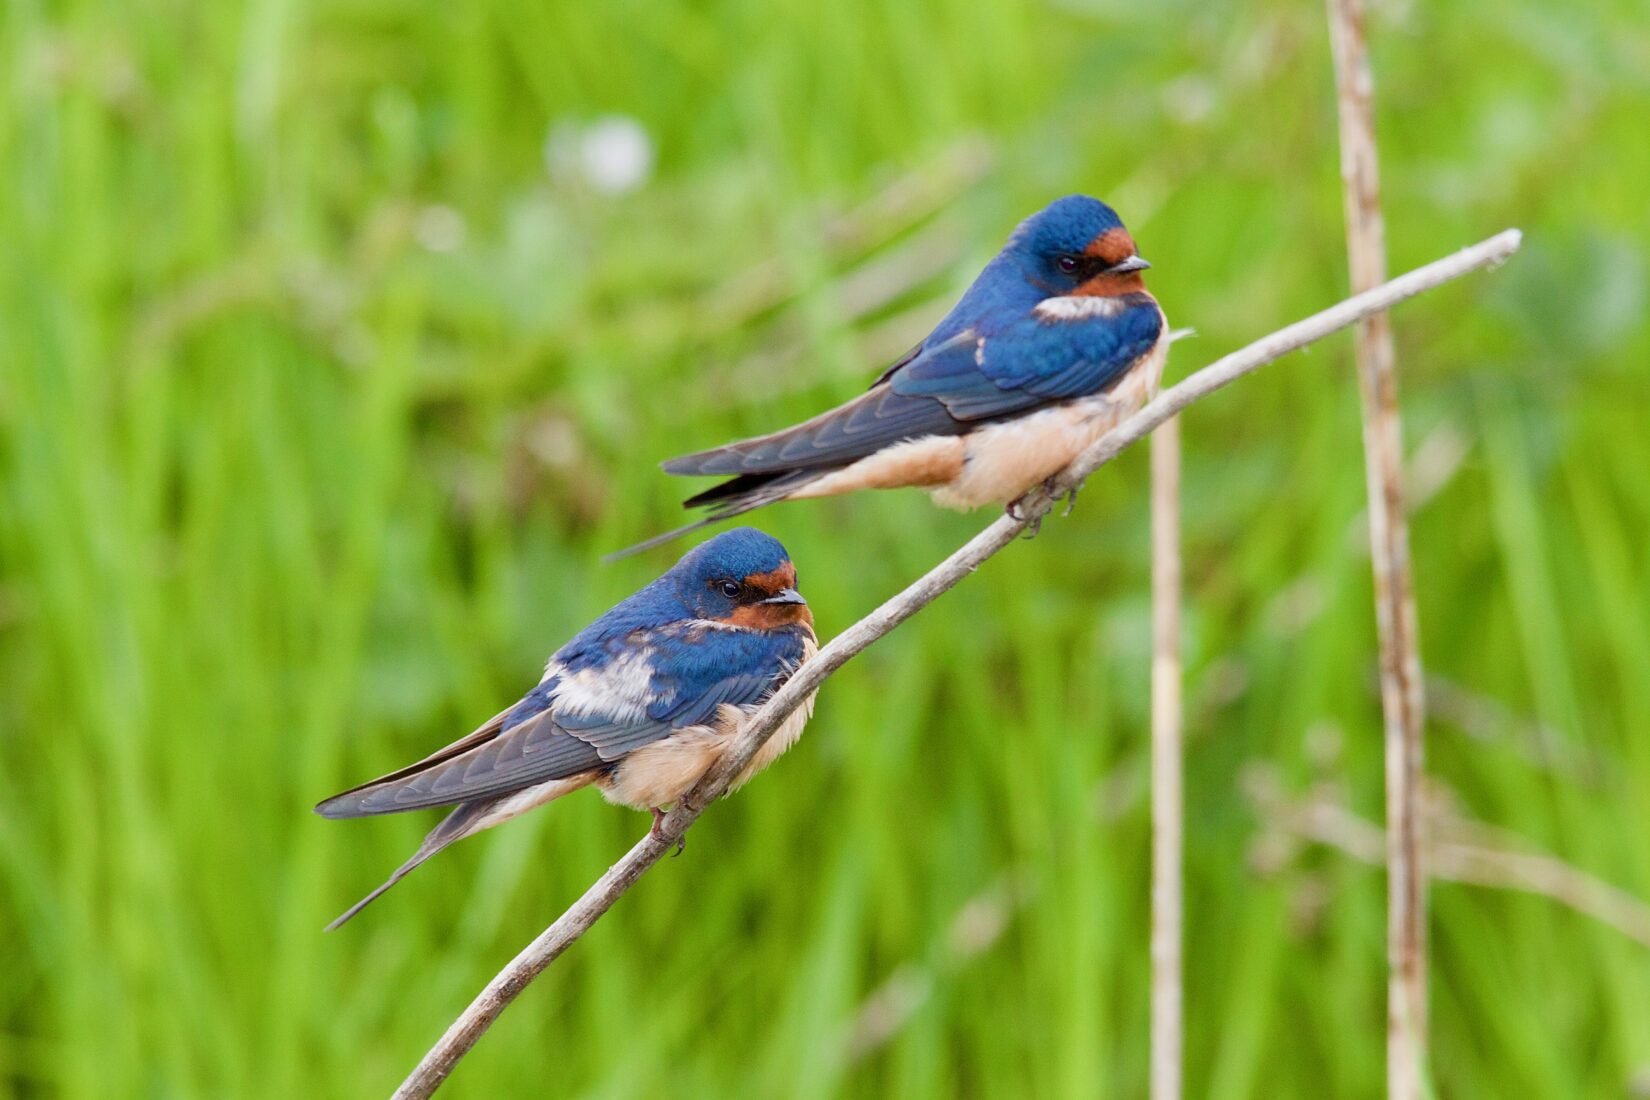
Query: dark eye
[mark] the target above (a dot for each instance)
(1068, 264)
(729, 589)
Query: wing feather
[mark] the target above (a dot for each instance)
(944, 389)
(849, 432)
(689, 673)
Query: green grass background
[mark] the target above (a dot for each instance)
(288, 497)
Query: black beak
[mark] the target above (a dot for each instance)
(1133, 263)
(789, 595)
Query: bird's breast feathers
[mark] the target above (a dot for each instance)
(660, 773)
(1079, 307)
(1004, 460)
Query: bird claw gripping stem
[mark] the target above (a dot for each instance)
(1030, 506)
(1071, 498)
(1028, 511)
(658, 831)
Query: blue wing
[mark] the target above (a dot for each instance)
(694, 671)
(1033, 363)
(589, 716)
(948, 386)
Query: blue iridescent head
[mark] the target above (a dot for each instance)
(1078, 245)
(742, 577)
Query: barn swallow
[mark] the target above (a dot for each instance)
(1055, 343)
(640, 704)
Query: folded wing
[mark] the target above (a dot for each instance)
(587, 718)
(941, 390)
(870, 422)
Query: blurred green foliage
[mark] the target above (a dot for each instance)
(321, 395)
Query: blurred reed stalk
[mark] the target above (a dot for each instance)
(1459, 849)
(1168, 797)
(1400, 664)
(531, 961)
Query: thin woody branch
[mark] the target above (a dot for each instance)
(601, 895)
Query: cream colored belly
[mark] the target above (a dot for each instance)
(1000, 462)
(661, 773)
(928, 461)
(1003, 461)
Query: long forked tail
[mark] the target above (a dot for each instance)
(733, 497)
(463, 821)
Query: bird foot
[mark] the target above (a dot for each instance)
(1028, 509)
(657, 831)
(1021, 509)
(1071, 498)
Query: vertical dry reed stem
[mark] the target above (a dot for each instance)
(1400, 663)
(1168, 1027)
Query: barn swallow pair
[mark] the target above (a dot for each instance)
(1055, 343)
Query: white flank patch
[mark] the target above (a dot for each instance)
(621, 689)
(1078, 307)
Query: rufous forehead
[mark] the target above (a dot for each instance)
(1113, 246)
(774, 580)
